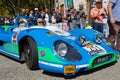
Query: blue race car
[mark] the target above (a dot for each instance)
(52, 49)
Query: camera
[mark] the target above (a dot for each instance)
(77, 12)
(102, 14)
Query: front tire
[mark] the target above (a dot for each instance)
(31, 54)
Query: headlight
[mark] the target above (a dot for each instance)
(66, 51)
(82, 40)
(62, 49)
(98, 39)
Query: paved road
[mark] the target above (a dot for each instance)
(13, 70)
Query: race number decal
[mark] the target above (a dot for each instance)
(94, 49)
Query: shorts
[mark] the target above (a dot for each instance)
(98, 27)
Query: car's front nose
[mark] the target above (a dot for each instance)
(102, 60)
(71, 68)
(94, 62)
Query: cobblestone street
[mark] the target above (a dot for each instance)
(13, 70)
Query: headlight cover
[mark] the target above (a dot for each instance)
(66, 51)
(98, 39)
(62, 49)
(82, 40)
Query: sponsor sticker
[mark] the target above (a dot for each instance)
(14, 38)
(42, 53)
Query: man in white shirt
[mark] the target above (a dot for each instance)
(47, 17)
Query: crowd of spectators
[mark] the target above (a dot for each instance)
(73, 19)
(9, 20)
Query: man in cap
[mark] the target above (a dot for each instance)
(36, 14)
(97, 15)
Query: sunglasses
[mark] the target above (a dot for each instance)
(39, 22)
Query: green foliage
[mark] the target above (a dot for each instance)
(13, 6)
(6, 13)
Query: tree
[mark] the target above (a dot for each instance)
(13, 6)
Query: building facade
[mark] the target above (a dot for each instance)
(65, 4)
(62, 5)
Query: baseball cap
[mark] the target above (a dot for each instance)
(36, 9)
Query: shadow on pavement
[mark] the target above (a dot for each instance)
(79, 73)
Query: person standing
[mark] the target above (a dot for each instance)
(114, 19)
(73, 19)
(7, 21)
(47, 17)
(59, 19)
(68, 17)
(53, 18)
(1, 20)
(27, 12)
(83, 15)
(77, 17)
(97, 15)
(36, 15)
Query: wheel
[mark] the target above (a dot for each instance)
(31, 54)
